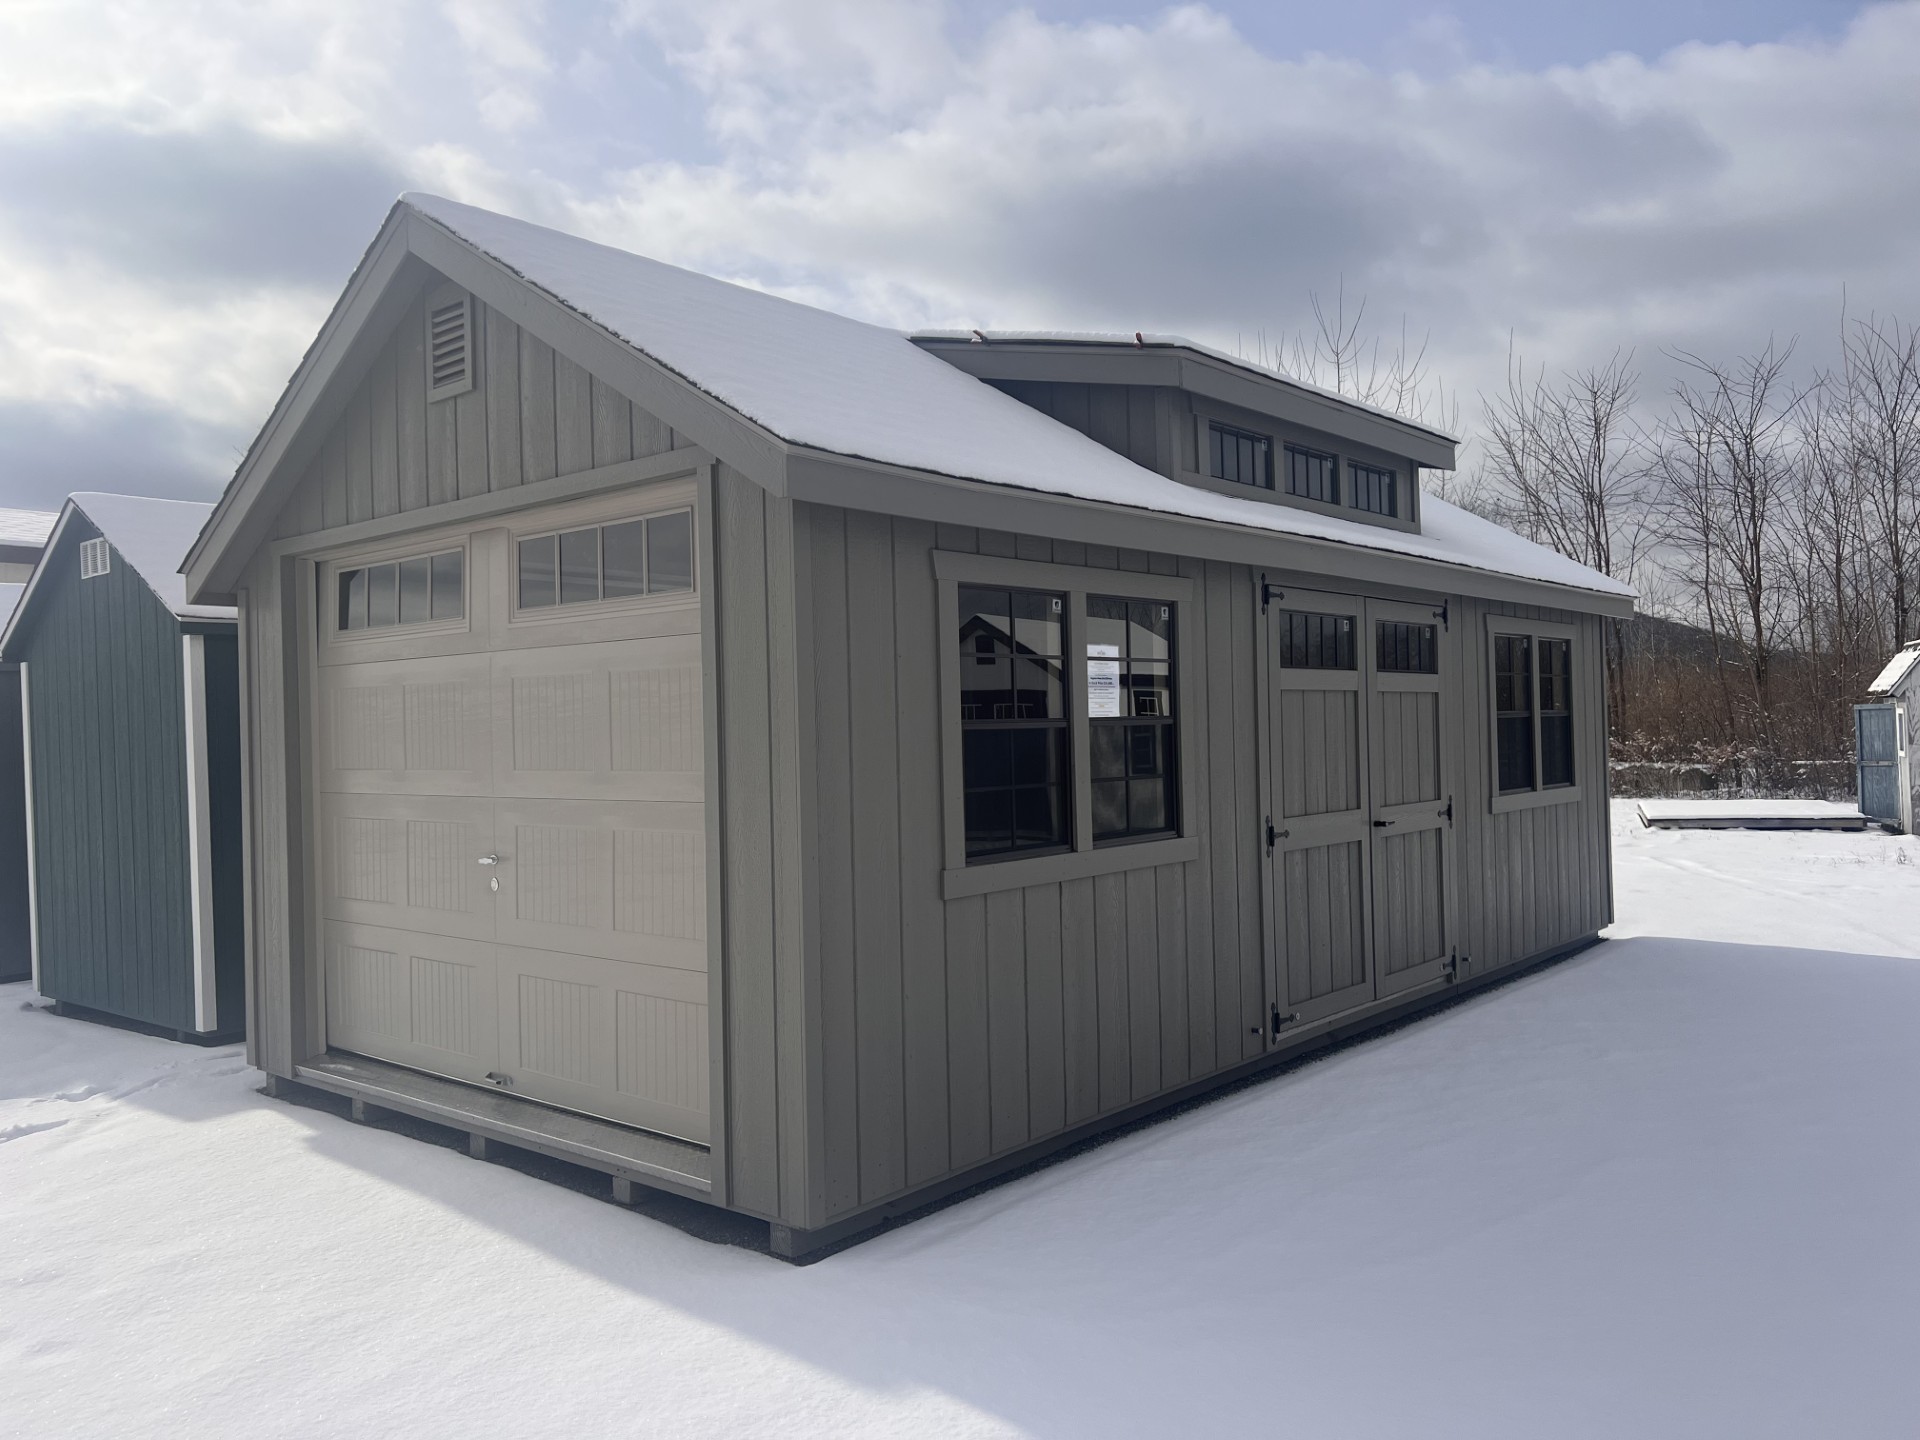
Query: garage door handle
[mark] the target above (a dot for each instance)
(489, 860)
(1381, 824)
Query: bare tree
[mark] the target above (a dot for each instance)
(1573, 472)
(1880, 376)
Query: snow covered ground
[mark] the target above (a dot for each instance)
(1664, 1189)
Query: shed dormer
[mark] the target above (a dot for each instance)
(1211, 421)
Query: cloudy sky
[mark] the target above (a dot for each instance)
(184, 187)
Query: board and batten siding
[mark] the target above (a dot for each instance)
(110, 782)
(956, 1032)
(532, 415)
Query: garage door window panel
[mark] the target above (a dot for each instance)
(595, 564)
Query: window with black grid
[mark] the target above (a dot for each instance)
(1312, 641)
(1373, 489)
(1132, 740)
(1240, 456)
(1017, 773)
(1312, 475)
(1513, 701)
(1556, 713)
(1402, 647)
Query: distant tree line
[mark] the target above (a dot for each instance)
(1767, 512)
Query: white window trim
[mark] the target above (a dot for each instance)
(951, 570)
(1499, 804)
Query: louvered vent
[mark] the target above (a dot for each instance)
(450, 348)
(93, 558)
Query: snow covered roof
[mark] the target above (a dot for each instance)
(26, 527)
(149, 534)
(830, 383)
(1896, 670)
(1148, 340)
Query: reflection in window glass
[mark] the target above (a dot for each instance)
(579, 566)
(401, 592)
(1313, 475)
(1013, 718)
(1513, 710)
(1310, 641)
(416, 590)
(1556, 713)
(1404, 648)
(539, 571)
(651, 556)
(1131, 736)
(623, 559)
(670, 553)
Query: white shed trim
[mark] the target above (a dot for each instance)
(199, 832)
(33, 885)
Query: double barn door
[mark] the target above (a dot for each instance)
(1358, 801)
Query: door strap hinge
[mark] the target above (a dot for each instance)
(1441, 614)
(1452, 966)
(1273, 834)
(1269, 593)
(1275, 1020)
(1447, 814)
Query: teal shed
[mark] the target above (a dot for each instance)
(129, 706)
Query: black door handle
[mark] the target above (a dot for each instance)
(1381, 824)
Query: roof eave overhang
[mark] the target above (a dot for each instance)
(829, 479)
(25, 602)
(1093, 363)
(408, 252)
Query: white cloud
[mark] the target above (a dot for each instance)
(876, 157)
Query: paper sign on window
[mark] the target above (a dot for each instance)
(1103, 682)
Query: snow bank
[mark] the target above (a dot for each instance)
(1664, 1189)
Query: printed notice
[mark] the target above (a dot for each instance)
(1103, 682)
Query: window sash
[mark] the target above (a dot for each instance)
(1532, 713)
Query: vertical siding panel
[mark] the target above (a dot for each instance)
(1195, 690)
(1170, 909)
(1079, 1001)
(1143, 983)
(333, 479)
(967, 1065)
(1223, 812)
(1110, 956)
(876, 853)
(538, 460)
(1251, 968)
(501, 376)
(1107, 416)
(612, 424)
(998, 542)
(753, 1136)
(385, 397)
(1046, 1033)
(833, 834)
(443, 446)
(410, 398)
(1033, 547)
(1142, 442)
(359, 426)
(1007, 1018)
(470, 425)
(963, 538)
(651, 436)
(572, 415)
(917, 643)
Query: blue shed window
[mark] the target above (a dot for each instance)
(403, 592)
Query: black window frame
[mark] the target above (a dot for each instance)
(1367, 484)
(1329, 464)
(1261, 446)
(1533, 717)
(999, 750)
(1146, 745)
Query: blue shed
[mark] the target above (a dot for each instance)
(130, 727)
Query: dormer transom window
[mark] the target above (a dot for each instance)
(1240, 456)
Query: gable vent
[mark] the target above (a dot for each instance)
(450, 348)
(93, 558)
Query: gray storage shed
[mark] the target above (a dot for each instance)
(130, 701)
(814, 768)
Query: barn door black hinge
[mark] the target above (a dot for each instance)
(1441, 614)
(1447, 814)
(1275, 1020)
(1273, 834)
(1269, 593)
(1452, 966)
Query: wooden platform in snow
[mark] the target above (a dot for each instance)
(1751, 815)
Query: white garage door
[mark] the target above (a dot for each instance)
(511, 809)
